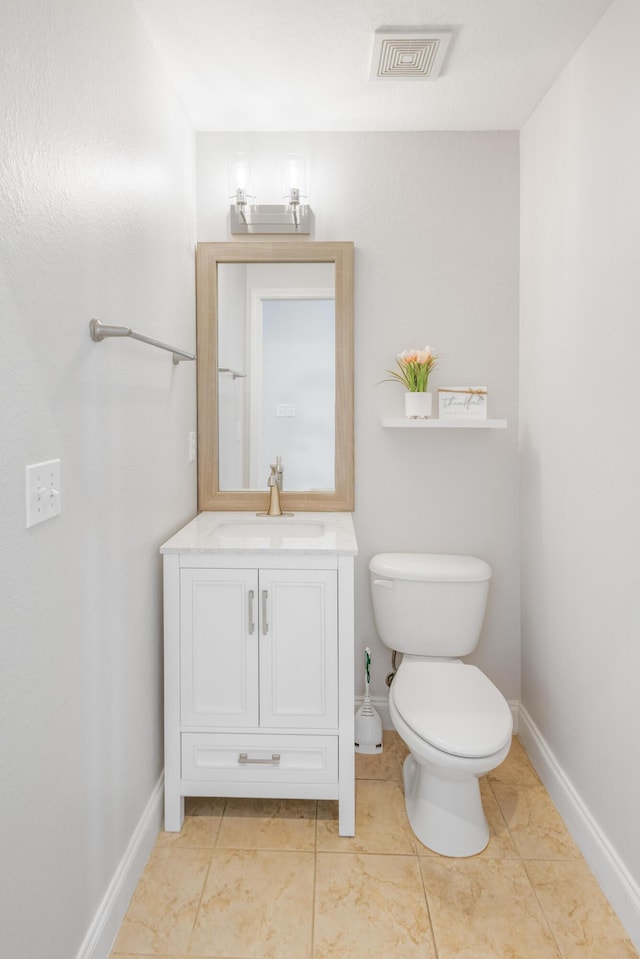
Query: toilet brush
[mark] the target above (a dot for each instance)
(368, 725)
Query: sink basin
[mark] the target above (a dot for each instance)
(271, 527)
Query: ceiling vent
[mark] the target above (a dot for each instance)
(408, 54)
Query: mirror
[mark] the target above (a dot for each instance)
(275, 373)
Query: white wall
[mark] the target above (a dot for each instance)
(96, 220)
(580, 408)
(434, 218)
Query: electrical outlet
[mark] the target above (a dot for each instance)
(285, 409)
(43, 491)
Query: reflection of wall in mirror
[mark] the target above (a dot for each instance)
(232, 328)
(298, 349)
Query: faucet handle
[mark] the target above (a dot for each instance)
(276, 471)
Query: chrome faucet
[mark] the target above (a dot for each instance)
(275, 486)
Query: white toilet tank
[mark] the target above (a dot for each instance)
(429, 604)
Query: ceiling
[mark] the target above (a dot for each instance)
(278, 65)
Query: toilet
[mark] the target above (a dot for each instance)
(456, 723)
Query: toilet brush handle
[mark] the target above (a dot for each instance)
(367, 669)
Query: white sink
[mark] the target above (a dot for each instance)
(275, 526)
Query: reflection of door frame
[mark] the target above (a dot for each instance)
(254, 364)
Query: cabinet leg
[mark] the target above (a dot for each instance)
(173, 812)
(347, 814)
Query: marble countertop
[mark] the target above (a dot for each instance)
(242, 532)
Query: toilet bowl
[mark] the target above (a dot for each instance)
(456, 723)
(458, 727)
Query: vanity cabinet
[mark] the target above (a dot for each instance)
(259, 648)
(259, 678)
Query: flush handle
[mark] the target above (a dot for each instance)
(386, 583)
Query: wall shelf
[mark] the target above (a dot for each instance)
(404, 423)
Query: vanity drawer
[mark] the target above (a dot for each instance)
(259, 758)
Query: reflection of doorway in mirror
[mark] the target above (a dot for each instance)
(292, 409)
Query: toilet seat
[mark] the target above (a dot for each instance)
(454, 707)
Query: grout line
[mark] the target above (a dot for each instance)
(426, 899)
(504, 819)
(206, 878)
(197, 911)
(544, 915)
(220, 818)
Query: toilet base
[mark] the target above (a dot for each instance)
(445, 814)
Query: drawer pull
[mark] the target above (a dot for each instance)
(243, 760)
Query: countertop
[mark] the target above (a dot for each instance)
(228, 532)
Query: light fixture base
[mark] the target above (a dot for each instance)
(270, 218)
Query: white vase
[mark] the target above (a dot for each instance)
(417, 406)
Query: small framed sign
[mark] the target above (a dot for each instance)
(462, 402)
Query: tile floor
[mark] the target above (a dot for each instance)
(269, 879)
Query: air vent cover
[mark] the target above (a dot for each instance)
(408, 55)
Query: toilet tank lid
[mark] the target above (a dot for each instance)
(431, 567)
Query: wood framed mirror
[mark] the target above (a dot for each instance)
(275, 373)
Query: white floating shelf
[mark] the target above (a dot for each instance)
(431, 424)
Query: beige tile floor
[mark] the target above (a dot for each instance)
(269, 879)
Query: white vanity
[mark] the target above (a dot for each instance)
(259, 660)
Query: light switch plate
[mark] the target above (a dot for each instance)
(43, 491)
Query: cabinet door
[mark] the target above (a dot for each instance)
(219, 647)
(298, 648)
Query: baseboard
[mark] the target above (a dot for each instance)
(514, 706)
(108, 919)
(615, 880)
(381, 705)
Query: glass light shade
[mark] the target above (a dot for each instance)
(239, 171)
(294, 175)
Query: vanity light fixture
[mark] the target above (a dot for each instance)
(293, 216)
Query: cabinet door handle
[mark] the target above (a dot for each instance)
(265, 624)
(243, 760)
(252, 625)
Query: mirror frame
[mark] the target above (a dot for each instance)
(208, 256)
